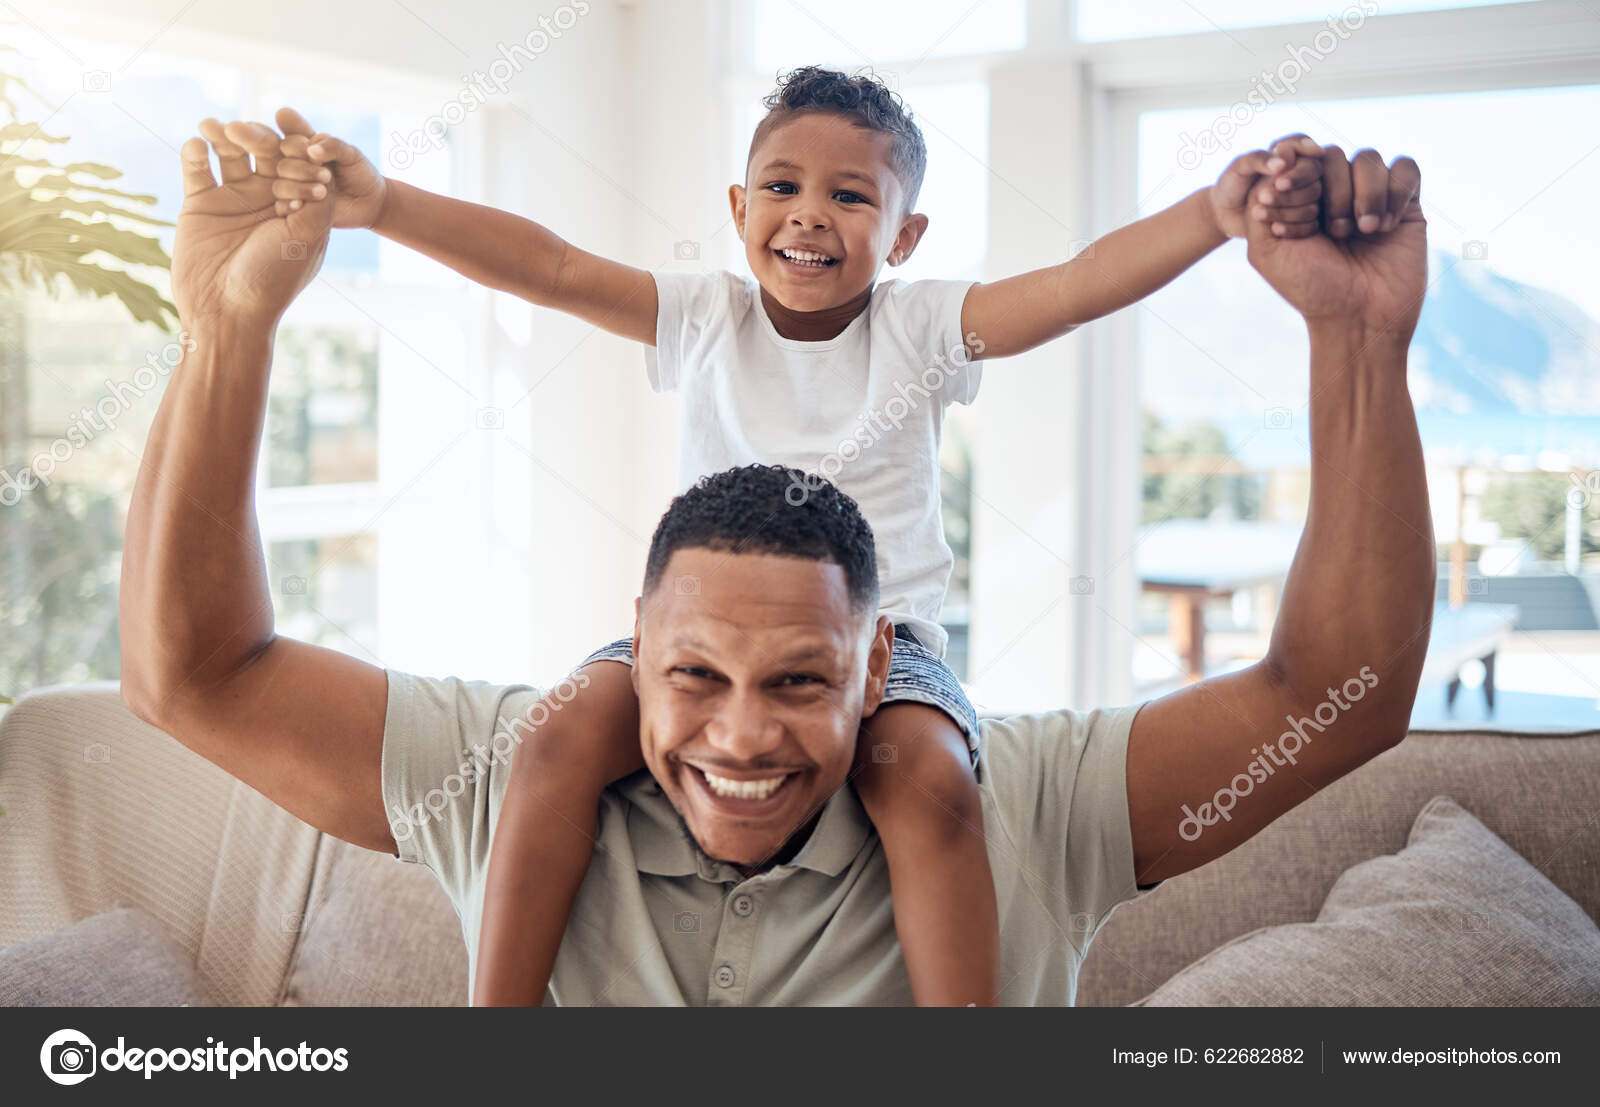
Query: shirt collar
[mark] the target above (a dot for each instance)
(662, 847)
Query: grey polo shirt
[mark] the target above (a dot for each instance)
(658, 923)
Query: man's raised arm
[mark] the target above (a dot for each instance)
(1212, 764)
(301, 725)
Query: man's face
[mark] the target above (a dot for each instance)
(821, 185)
(753, 674)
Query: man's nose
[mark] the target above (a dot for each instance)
(745, 728)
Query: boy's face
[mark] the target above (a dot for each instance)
(820, 185)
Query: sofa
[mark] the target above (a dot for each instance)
(102, 812)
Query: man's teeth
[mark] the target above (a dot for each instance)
(743, 789)
(806, 257)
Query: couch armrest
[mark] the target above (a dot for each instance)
(103, 811)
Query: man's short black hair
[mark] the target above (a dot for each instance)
(863, 99)
(770, 509)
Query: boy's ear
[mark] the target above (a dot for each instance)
(905, 243)
(736, 202)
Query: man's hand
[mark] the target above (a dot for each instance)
(1278, 188)
(234, 259)
(1370, 270)
(359, 190)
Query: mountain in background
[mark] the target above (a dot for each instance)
(1487, 344)
(1499, 368)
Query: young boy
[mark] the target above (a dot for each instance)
(812, 364)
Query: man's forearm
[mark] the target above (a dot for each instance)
(195, 603)
(487, 246)
(1361, 589)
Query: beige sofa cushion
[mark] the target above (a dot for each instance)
(119, 959)
(1455, 919)
(377, 932)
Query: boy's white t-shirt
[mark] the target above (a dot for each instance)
(864, 409)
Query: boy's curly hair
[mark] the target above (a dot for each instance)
(754, 509)
(863, 99)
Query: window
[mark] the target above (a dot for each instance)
(845, 33)
(1503, 375)
(1100, 20)
(326, 484)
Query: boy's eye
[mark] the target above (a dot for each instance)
(850, 198)
(783, 188)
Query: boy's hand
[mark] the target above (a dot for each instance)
(359, 190)
(1281, 187)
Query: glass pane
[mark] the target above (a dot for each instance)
(325, 591)
(1099, 20)
(1503, 374)
(847, 33)
(79, 379)
(322, 410)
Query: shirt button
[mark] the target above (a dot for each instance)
(744, 906)
(724, 976)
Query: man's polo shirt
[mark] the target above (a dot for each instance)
(657, 922)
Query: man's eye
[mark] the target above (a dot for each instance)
(801, 678)
(693, 671)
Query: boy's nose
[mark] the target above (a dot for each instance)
(809, 220)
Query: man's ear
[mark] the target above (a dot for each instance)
(736, 201)
(878, 654)
(638, 623)
(905, 243)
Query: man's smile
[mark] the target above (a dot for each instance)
(747, 794)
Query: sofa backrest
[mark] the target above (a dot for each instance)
(1538, 794)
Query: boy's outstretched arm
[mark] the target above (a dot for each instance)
(491, 247)
(1014, 315)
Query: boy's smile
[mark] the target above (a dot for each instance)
(821, 212)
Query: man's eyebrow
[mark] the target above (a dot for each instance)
(847, 175)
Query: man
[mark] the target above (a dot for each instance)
(765, 668)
